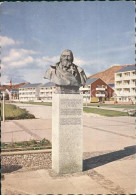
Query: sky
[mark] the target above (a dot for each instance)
(34, 34)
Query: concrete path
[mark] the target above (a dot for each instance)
(111, 140)
(120, 131)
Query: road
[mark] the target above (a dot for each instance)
(120, 131)
(111, 139)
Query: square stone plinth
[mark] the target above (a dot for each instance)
(67, 149)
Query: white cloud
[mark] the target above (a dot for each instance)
(80, 62)
(23, 62)
(45, 60)
(34, 75)
(7, 41)
(18, 58)
(4, 41)
(92, 63)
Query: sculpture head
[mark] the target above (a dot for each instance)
(66, 58)
(65, 74)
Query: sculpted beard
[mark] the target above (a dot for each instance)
(66, 63)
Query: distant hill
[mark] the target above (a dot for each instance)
(17, 86)
(107, 75)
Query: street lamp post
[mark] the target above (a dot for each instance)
(3, 106)
(86, 98)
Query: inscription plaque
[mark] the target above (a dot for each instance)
(70, 103)
(68, 108)
(70, 121)
(70, 111)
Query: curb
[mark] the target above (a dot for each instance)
(25, 152)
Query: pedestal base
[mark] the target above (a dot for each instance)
(67, 139)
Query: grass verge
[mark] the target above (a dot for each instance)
(111, 105)
(38, 103)
(13, 112)
(25, 145)
(103, 112)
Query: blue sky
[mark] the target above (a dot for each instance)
(34, 34)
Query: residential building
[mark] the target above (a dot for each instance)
(96, 90)
(46, 92)
(12, 91)
(13, 94)
(29, 92)
(125, 84)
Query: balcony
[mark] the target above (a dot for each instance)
(84, 88)
(125, 85)
(100, 95)
(100, 88)
(20, 96)
(46, 96)
(46, 90)
(117, 78)
(86, 95)
(28, 91)
(133, 76)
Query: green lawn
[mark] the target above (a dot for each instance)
(26, 145)
(13, 112)
(111, 105)
(38, 103)
(104, 112)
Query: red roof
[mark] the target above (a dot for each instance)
(107, 75)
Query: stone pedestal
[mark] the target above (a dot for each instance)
(67, 132)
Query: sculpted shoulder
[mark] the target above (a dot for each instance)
(54, 66)
(78, 68)
(50, 72)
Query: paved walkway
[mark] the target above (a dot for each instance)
(112, 169)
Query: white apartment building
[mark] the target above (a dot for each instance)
(46, 92)
(86, 91)
(29, 92)
(125, 84)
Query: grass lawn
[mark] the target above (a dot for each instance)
(111, 105)
(104, 112)
(13, 112)
(26, 145)
(38, 103)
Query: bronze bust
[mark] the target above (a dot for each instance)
(67, 76)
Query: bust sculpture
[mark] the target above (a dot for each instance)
(67, 76)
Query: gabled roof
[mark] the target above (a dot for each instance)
(127, 68)
(31, 85)
(16, 86)
(108, 75)
(49, 84)
(90, 81)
